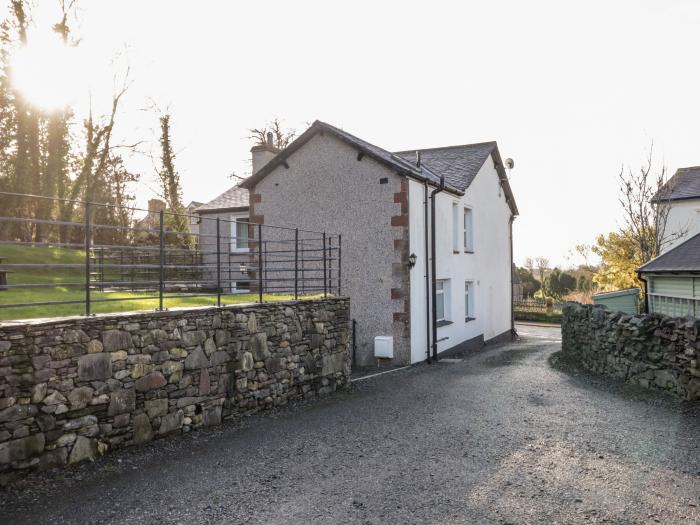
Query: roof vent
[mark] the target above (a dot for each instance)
(418, 158)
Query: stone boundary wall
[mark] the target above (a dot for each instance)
(73, 388)
(651, 350)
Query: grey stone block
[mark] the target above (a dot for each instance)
(23, 448)
(196, 359)
(94, 367)
(113, 340)
(121, 402)
(143, 432)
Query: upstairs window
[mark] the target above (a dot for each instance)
(455, 227)
(468, 230)
(239, 233)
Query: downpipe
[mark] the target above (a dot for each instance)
(433, 265)
(427, 271)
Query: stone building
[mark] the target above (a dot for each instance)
(381, 204)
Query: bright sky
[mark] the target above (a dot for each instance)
(569, 89)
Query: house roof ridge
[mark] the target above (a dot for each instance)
(449, 147)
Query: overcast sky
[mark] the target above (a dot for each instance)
(571, 90)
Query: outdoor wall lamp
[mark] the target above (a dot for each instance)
(412, 260)
(243, 269)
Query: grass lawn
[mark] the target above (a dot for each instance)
(60, 292)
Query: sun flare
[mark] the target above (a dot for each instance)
(47, 72)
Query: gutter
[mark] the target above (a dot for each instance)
(433, 263)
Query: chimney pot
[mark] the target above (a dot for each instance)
(418, 158)
(269, 138)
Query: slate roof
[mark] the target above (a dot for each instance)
(682, 258)
(457, 164)
(685, 184)
(236, 197)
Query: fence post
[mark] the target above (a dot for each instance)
(162, 262)
(218, 262)
(296, 263)
(87, 258)
(260, 260)
(330, 263)
(340, 261)
(325, 282)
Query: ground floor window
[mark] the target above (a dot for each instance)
(674, 306)
(469, 312)
(442, 296)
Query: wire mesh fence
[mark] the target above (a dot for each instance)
(83, 257)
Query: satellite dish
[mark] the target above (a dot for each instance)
(510, 164)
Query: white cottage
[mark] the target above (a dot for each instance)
(426, 236)
(672, 280)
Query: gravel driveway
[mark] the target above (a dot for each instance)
(512, 434)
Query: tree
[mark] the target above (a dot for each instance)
(281, 138)
(170, 180)
(644, 197)
(620, 257)
(541, 263)
(529, 265)
(645, 201)
(560, 283)
(583, 284)
(529, 283)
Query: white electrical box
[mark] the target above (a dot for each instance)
(384, 346)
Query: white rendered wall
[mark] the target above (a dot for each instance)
(684, 216)
(489, 267)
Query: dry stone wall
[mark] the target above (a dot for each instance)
(651, 350)
(74, 388)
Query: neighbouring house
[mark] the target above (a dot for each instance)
(231, 208)
(427, 279)
(146, 228)
(193, 218)
(672, 280)
(682, 193)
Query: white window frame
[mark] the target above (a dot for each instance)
(469, 300)
(234, 233)
(455, 227)
(442, 293)
(468, 229)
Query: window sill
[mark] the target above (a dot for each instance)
(467, 319)
(444, 322)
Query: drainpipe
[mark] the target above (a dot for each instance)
(427, 272)
(433, 263)
(513, 333)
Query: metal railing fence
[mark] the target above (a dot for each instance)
(53, 249)
(537, 305)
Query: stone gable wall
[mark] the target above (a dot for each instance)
(74, 388)
(651, 350)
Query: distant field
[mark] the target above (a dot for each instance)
(62, 292)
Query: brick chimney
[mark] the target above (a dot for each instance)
(263, 153)
(154, 207)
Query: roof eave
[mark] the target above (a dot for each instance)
(510, 198)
